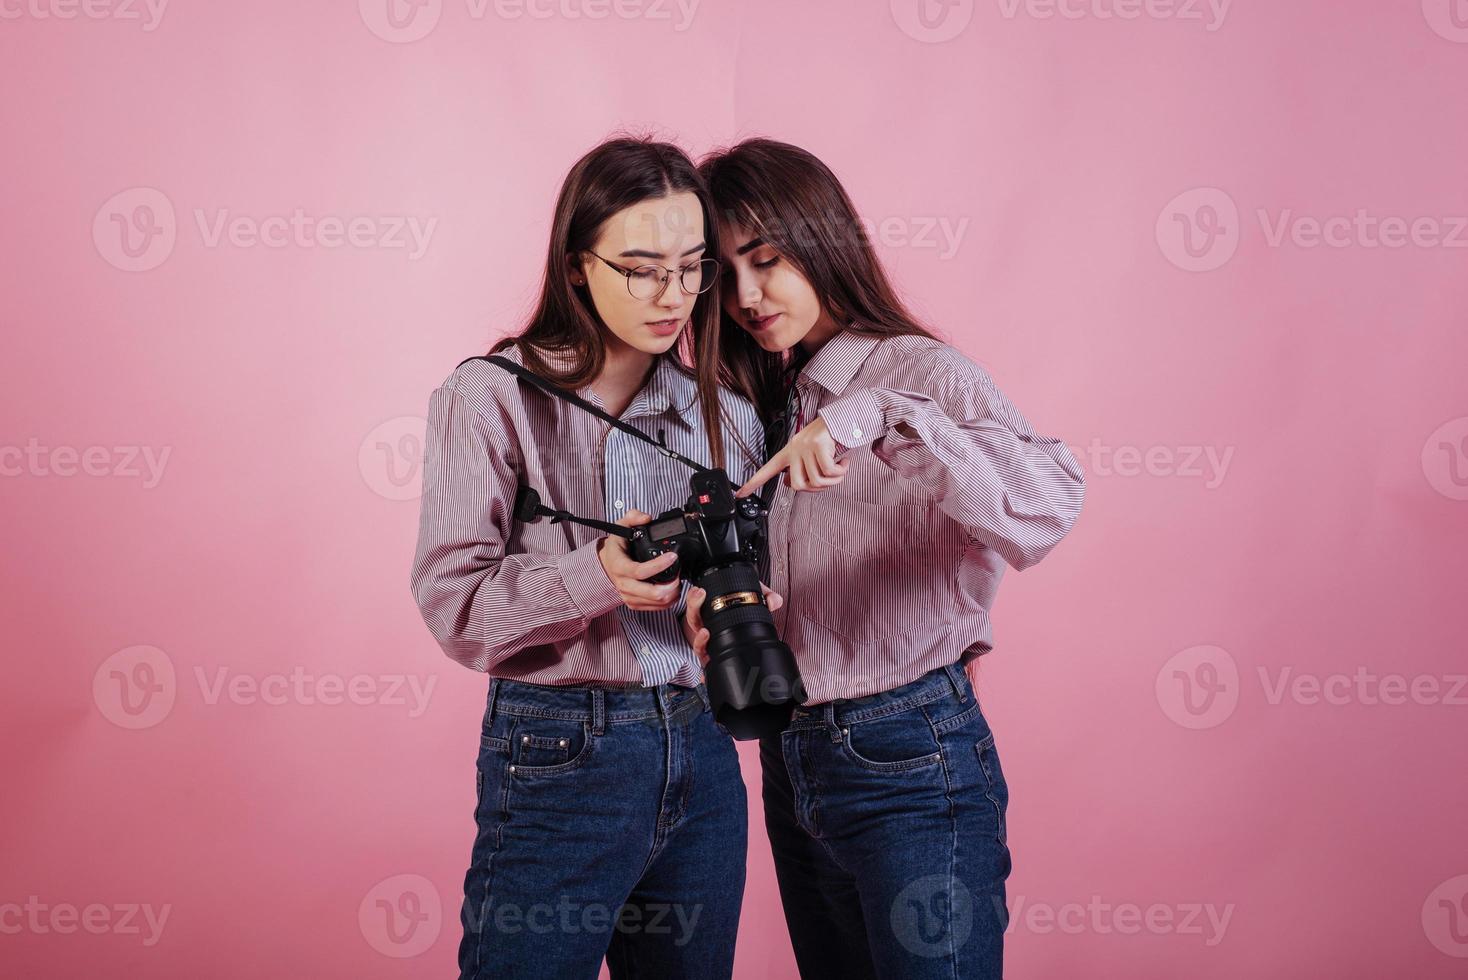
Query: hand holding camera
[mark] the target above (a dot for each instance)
(636, 581)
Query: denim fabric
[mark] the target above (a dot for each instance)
(886, 820)
(611, 824)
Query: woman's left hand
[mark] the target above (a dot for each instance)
(809, 459)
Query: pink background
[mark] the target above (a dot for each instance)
(1152, 767)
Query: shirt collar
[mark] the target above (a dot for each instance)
(838, 360)
(669, 390)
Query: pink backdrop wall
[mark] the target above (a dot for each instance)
(1220, 249)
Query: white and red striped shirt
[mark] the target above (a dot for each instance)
(531, 602)
(892, 572)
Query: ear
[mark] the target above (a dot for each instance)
(575, 269)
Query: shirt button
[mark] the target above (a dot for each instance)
(856, 433)
(619, 505)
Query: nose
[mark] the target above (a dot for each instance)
(748, 291)
(672, 296)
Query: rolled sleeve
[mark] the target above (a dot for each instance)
(587, 583)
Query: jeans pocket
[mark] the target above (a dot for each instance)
(896, 743)
(547, 746)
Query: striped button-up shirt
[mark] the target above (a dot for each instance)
(531, 602)
(892, 572)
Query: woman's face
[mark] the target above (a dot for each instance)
(769, 297)
(666, 231)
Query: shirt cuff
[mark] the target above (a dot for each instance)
(854, 420)
(586, 581)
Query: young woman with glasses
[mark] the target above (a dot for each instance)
(610, 808)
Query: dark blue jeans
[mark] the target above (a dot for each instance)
(886, 820)
(611, 823)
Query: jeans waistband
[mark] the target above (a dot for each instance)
(600, 706)
(941, 682)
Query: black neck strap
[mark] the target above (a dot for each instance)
(525, 374)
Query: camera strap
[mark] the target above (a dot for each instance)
(525, 374)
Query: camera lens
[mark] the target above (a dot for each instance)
(752, 679)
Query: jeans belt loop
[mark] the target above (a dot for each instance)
(494, 690)
(598, 711)
(828, 714)
(956, 678)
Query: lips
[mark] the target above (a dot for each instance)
(665, 328)
(761, 322)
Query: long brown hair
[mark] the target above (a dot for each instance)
(612, 176)
(794, 201)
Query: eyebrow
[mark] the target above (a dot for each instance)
(642, 253)
(750, 245)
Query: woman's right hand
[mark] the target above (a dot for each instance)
(628, 576)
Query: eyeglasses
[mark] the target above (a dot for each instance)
(650, 281)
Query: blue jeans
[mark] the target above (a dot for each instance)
(611, 823)
(886, 821)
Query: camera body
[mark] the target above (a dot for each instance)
(713, 529)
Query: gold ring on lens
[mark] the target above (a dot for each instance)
(736, 599)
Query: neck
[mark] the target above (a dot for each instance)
(622, 376)
(816, 337)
